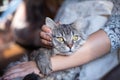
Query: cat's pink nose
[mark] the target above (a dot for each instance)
(70, 45)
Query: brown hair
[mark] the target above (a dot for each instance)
(35, 12)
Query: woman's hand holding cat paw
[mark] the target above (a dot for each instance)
(45, 38)
(21, 70)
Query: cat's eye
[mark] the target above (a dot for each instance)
(60, 39)
(75, 38)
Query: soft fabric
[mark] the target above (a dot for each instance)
(101, 66)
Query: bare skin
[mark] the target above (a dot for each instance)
(21, 70)
(92, 49)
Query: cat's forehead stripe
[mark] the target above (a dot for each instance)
(65, 29)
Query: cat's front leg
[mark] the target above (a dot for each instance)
(43, 61)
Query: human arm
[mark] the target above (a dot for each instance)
(92, 49)
(112, 30)
(99, 42)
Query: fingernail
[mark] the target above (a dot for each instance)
(50, 40)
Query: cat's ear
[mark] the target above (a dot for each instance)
(81, 25)
(50, 23)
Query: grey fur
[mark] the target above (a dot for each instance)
(66, 32)
(66, 47)
(82, 27)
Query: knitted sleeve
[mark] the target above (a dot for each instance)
(112, 27)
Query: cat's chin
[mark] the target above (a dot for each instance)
(68, 53)
(65, 53)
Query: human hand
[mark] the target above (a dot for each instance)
(45, 38)
(21, 70)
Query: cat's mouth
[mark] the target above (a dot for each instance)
(70, 52)
(67, 53)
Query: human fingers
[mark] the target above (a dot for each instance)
(15, 69)
(11, 71)
(19, 74)
(45, 36)
(46, 43)
(16, 75)
(46, 29)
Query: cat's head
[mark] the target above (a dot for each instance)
(67, 38)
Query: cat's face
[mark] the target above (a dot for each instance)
(66, 38)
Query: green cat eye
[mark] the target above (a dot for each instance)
(60, 39)
(75, 38)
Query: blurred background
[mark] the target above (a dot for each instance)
(14, 41)
(3, 5)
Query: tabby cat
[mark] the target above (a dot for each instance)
(68, 38)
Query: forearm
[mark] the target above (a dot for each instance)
(98, 44)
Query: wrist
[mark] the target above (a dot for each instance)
(36, 69)
(43, 61)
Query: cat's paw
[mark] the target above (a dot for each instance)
(43, 61)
